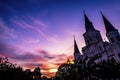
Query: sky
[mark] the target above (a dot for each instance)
(40, 32)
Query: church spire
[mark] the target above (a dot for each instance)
(108, 26)
(86, 18)
(88, 24)
(76, 50)
(77, 55)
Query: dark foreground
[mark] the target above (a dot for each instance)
(85, 69)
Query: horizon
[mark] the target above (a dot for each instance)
(40, 33)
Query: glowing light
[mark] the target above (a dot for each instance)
(53, 70)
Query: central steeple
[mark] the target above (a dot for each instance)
(88, 23)
(91, 35)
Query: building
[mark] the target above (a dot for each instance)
(94, 44)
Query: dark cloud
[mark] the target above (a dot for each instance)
(45, 54)
(20, 55)
(27, 56)
(14, 53)
(8, 50)
(32, 65)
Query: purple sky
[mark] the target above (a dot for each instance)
(40, 32)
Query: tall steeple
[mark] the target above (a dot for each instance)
(86, 18)
(91, 35)
(77, 55)
(76, 50)
(108, 26)
(111, 33)
(88, 24)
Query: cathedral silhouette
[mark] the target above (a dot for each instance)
(94, 44)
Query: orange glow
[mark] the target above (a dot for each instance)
(49, 67)
(48, 73)
(53, 70)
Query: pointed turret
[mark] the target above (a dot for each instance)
(108, 26)
(76, 50)
(91, 35)
(88, 24)
(111, 33)
(86, 19)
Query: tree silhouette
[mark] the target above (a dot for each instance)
(88, 69)
(9, 71)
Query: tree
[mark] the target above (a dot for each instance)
(9, 71)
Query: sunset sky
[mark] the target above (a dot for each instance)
(40, 32)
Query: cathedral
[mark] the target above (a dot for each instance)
(94, 44)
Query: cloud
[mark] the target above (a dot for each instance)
(45, 70)
(17, 54)
(34, 24)
(45, 54)
(28, 56)
(5, 31)
(8, 50)
(32, 65)
(38, 22)
(33, 41)
(42, 58)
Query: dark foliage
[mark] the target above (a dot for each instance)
(88, 69)
(9, 71)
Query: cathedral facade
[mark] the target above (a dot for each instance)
(94, 44)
